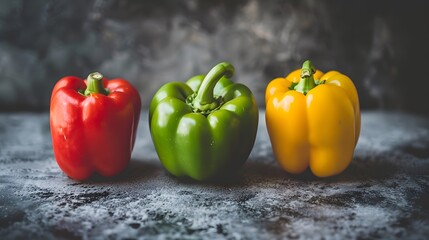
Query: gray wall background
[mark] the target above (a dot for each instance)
(382, 45)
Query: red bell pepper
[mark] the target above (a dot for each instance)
(93, 125)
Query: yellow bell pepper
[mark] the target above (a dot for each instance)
(313, 119)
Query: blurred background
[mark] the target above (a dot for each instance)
(382, 45)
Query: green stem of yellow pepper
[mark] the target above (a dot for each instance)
(204, 100)
(306, 83)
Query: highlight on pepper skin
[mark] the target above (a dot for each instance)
(93, 125)
(209, 120)
(313, 120)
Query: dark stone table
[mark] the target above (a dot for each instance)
(383, 194)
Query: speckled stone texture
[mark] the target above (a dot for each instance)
(383, 194)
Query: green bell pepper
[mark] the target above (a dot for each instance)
(204, 128)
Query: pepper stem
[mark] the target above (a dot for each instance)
(306, 83)
(205, 100)
(94, 84)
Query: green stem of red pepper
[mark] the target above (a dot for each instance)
(94, 84)
(306, 83)
(205, 100)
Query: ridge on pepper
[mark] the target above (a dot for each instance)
(204, 128)
(93, 125)
(313, 120)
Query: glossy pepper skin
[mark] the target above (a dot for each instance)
(204, 128)
(313, 120)
(93, 126)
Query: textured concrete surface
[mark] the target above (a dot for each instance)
(381, 45)
(383, 194)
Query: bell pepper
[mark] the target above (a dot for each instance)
(93, 125)
(204, 128)
(313, 119)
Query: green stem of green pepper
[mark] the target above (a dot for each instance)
(306, 83)
(94, 84)
(205, 101)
